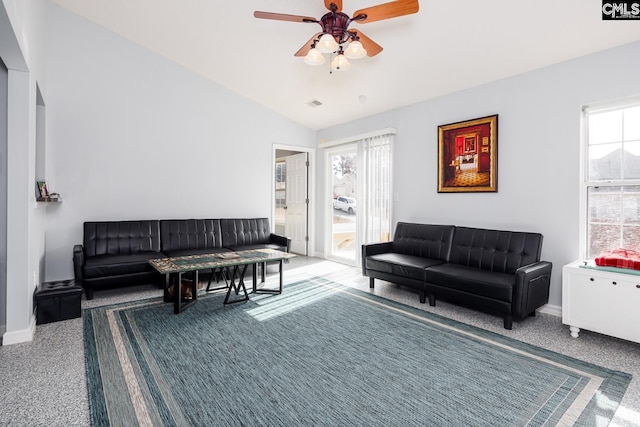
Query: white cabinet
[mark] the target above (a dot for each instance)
(601, 301)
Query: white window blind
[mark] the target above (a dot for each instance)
(375, 215)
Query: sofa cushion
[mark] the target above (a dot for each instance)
(121, 237)
(423, 240)
(490, 284)
(187, 234)
(260, 246)
(117, 265)
(401, 264)
(493, 250)
(243, 232)
(203, 251)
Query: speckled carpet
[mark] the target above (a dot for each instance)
(323, 354)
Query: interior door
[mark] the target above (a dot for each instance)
(297, 202)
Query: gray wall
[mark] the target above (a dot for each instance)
(538, 150)
(3, 197)
(132, 135)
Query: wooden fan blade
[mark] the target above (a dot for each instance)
(392, 9)
(338, 3)
(371, 47)
(283, 17)
(307, 47)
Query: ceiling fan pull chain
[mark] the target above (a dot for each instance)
(330, 61)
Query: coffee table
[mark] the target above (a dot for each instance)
(174, 267)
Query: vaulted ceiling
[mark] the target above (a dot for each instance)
(446, 47)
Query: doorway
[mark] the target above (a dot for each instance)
(292, 212)
(343, 187)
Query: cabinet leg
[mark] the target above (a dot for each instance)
(575, 331)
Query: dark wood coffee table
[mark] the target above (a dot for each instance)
(234, 262)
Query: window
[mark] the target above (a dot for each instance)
(612, 178)
(281, 191)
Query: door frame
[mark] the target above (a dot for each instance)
(311, 189)
(328, 206)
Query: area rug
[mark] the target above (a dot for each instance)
(323, 354)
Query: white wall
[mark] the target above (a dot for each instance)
(132, 135)
(538, 151)
(21, 47)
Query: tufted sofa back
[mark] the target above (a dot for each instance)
(240, 232)
(121, 237)
(499, 251)
(180, 234)
(424, 240)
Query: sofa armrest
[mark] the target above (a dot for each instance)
(532, 288)
(280, 240)
(78, 262)
(374, 249)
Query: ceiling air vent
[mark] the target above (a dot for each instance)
(314, 103)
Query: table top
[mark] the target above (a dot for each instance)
(222, 259)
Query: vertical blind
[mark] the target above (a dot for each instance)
(374, 206)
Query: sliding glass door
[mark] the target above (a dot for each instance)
(359, 199)
(342, 238)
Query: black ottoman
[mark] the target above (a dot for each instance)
(57, 301)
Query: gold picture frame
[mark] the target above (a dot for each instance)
(468, 156)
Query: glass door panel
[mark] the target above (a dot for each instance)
(343, 187)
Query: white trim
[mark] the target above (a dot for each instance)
(554, 310)
(585, 183)
(356, 138)
(23, 335)
(599, 107)
(328, 205)
(582, 196)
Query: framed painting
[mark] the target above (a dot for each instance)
(468, 156)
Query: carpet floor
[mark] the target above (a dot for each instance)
(43, 382)
(324, 354)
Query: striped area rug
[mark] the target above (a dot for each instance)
(322, 354)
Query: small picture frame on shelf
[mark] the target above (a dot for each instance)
(43, 192)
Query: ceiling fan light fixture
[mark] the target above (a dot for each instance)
(314, 57)
(355, 50)
(340, 63)
(327, 44)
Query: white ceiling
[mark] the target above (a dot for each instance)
(447, 46)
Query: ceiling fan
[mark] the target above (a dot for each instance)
(336, 35)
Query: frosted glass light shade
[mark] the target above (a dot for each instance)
(340, 63)
(327, 44)
(314, 57)
(355, 50)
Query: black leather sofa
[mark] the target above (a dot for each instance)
(493, 270)
(116, 253)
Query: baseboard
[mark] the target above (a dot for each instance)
(554, 310)
(23, 335)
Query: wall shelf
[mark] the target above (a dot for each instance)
(49, 199)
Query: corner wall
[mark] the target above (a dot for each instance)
(21, 33)
(3, 196)
(132, 135)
